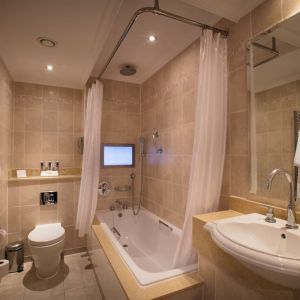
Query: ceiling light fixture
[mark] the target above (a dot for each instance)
(49, 67)
(46, 42)
(152, 38)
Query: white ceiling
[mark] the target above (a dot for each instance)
(230, 9)
(172, 38)
(79, 26)
(87, 30)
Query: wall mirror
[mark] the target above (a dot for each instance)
(274, 83)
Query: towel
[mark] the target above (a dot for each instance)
(297, 164)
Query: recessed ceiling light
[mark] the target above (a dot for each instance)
(46, 42)
(152, 38)
(49, 67)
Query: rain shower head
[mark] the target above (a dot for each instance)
(128, 70)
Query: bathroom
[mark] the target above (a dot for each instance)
(127, 186)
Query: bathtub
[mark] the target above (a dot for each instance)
(145, 242)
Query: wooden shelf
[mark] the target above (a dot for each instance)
(44, 178)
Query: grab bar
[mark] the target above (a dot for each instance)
(166, 225)
(114, 230)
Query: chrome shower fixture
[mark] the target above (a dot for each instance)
(155, 136)
(128, 70)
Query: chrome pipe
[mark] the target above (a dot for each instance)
(157, 11)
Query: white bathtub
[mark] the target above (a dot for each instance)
(145, 243)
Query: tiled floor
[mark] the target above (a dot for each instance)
(76, 280)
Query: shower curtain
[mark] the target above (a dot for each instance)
(88, 195)
(209, 140)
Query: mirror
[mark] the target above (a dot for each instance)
(274, 82)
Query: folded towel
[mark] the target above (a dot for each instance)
(297, 164)
(297, 154)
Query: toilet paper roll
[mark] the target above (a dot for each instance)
(4, 264)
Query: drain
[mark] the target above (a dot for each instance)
(125, 246)
(283, 236)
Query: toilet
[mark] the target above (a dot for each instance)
(46, 243)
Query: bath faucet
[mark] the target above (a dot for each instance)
(121, 205)
(291, 216)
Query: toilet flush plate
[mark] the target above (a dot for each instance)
(48, 198)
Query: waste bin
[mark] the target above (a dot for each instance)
(14, 253)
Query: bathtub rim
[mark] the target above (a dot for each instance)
(132, 288)
(144, 278)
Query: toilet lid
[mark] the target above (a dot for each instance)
(46, 234)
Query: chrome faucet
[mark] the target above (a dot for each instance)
(291, 215)
(121, 205)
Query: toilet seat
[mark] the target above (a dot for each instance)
(47, 234)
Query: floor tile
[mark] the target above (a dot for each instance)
(76, 280)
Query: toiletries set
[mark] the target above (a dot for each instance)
(49, 168)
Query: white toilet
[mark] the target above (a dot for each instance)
(46, 243)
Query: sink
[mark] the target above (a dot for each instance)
(268, 249)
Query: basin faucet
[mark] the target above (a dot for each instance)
(291, 216)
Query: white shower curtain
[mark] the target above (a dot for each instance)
(209, 140)
(88, 195)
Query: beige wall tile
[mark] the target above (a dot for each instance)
(65, 121)
(238, 93)
(30, 216)
(33, 103)
(33, 142)
(19, 142)
(29, 194)
(14, 224)
(48, 214)
(50, 143)
(49, 121)
(168, 105)
(239, 177)
(66, 143)
(19, 120)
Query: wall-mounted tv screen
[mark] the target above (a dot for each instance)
(117, 155)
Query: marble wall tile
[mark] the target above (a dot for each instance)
(168, 105)
(121, 123)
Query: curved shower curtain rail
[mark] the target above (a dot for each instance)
(157, 11)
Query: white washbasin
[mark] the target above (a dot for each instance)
(268, 249)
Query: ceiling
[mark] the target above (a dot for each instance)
(79, 26)
(172, 37)
(230, 9)
(87, 30)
